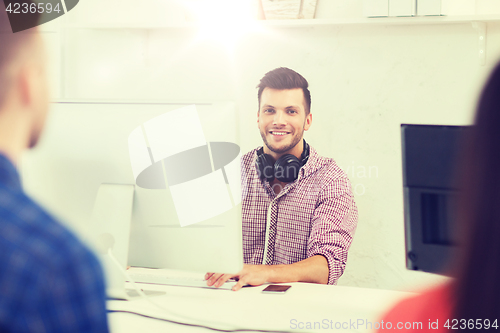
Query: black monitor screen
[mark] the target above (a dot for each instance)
(430, 155)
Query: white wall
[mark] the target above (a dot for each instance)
(365, 81)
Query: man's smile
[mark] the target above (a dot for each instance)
(279, 133)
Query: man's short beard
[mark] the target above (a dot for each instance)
(295, 141)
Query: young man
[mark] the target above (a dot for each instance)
(299, 214)
(49, 282)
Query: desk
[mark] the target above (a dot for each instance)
(249, 308)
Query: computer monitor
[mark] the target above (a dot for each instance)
(430, 155)
(87, 144)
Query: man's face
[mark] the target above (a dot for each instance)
(282, 119)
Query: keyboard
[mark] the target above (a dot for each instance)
(172, 278)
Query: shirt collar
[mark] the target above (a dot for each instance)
(311, 166)
(9, 177)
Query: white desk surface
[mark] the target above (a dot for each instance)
(249, 308)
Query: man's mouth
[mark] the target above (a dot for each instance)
(279, 133)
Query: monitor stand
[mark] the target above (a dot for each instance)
(110, 228)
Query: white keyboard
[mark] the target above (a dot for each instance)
(172, 278)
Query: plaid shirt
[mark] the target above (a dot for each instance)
(49, 282)
(314, 215)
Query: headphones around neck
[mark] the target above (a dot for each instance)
(285, 169)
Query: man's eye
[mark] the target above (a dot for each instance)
(269, 110)
(292, 111)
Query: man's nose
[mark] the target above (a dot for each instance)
(279, 118)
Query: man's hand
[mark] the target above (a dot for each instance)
(312, 270)
(253, 275)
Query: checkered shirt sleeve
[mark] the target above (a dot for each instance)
(314, 215)
(333, 225)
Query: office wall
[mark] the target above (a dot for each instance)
(365, 81)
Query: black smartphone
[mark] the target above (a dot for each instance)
(276, 289)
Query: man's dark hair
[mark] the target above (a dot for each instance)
(10, 46)
(284, 78)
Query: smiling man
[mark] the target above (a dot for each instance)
(299, 214)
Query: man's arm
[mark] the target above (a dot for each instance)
(313, 269)
(333, 226)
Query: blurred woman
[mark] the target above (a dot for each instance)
(472, 300)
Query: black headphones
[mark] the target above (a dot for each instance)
(285, 169)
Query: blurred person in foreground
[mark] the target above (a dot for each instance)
(49, 281)
(471, 301)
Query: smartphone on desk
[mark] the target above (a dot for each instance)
(276, 289)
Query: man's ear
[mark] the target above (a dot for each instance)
(308, 122)
(25, 84)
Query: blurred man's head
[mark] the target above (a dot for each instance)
(23, 81)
